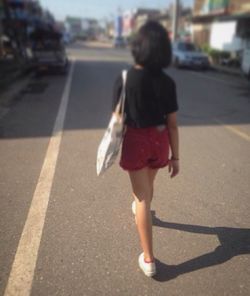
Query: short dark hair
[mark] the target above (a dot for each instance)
(151, 46)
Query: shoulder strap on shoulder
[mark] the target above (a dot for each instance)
(123, 93)
(121, 103)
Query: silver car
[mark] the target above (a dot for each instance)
(186, 54)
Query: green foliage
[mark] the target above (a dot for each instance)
(215, 54)
(206, 48)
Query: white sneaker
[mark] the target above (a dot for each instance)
(134, 207)
(149, 269)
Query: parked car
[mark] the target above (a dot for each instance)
(245, 65)
(48, 51)
(186, 54)
(119, 42)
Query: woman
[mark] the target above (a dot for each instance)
(151, 127)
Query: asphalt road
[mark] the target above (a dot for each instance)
(82, 239)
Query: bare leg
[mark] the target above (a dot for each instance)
(142, 191)
(152, 174)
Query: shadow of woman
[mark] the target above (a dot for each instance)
(233, 242)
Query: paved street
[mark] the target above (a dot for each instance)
(64, 231)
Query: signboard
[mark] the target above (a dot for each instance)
(223, 36)
(118, 26)
(241, 8)
(215, 7)
(128, 23)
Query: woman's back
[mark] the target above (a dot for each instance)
(150, 96)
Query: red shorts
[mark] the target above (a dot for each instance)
(145, 147)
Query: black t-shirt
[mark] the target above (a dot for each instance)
(150, 96)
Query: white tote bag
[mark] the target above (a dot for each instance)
(113, 136)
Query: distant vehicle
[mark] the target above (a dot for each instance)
(186, 54)
(119, 42)
(245, 65)
(48, 51)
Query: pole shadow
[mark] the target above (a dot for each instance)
(233, 242)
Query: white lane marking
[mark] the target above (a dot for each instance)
(214, 79)
(23, 267)
(234, 130)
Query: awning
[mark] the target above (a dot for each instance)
(218, 18)
(234, 17)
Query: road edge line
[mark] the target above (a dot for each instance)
(234, 130)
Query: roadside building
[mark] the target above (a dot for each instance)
(165, 18)
(82, 28)
(93, 29)
(184, 21)
(109, 29)
(73, 27)
(142, 15)
(222, 24)
(134, 20)
(185, 24)
(203, 16)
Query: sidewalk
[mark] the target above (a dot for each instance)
(12, 70)
(9, 71)
(14, 75)
(10, 91)
(227, 70)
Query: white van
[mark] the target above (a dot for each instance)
(245, 65)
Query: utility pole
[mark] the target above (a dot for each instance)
(175, 20)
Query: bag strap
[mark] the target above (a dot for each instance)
(121, 105)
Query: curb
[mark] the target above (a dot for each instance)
(226, 71)
(13, 90)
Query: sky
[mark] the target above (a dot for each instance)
(100, 9)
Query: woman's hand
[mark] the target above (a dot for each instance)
(174, 144)
(173, 167)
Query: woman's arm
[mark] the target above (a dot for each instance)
(174, 143)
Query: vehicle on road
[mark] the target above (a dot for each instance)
(49, 51)
(245, 65)
(119, 42)
(186, 54)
